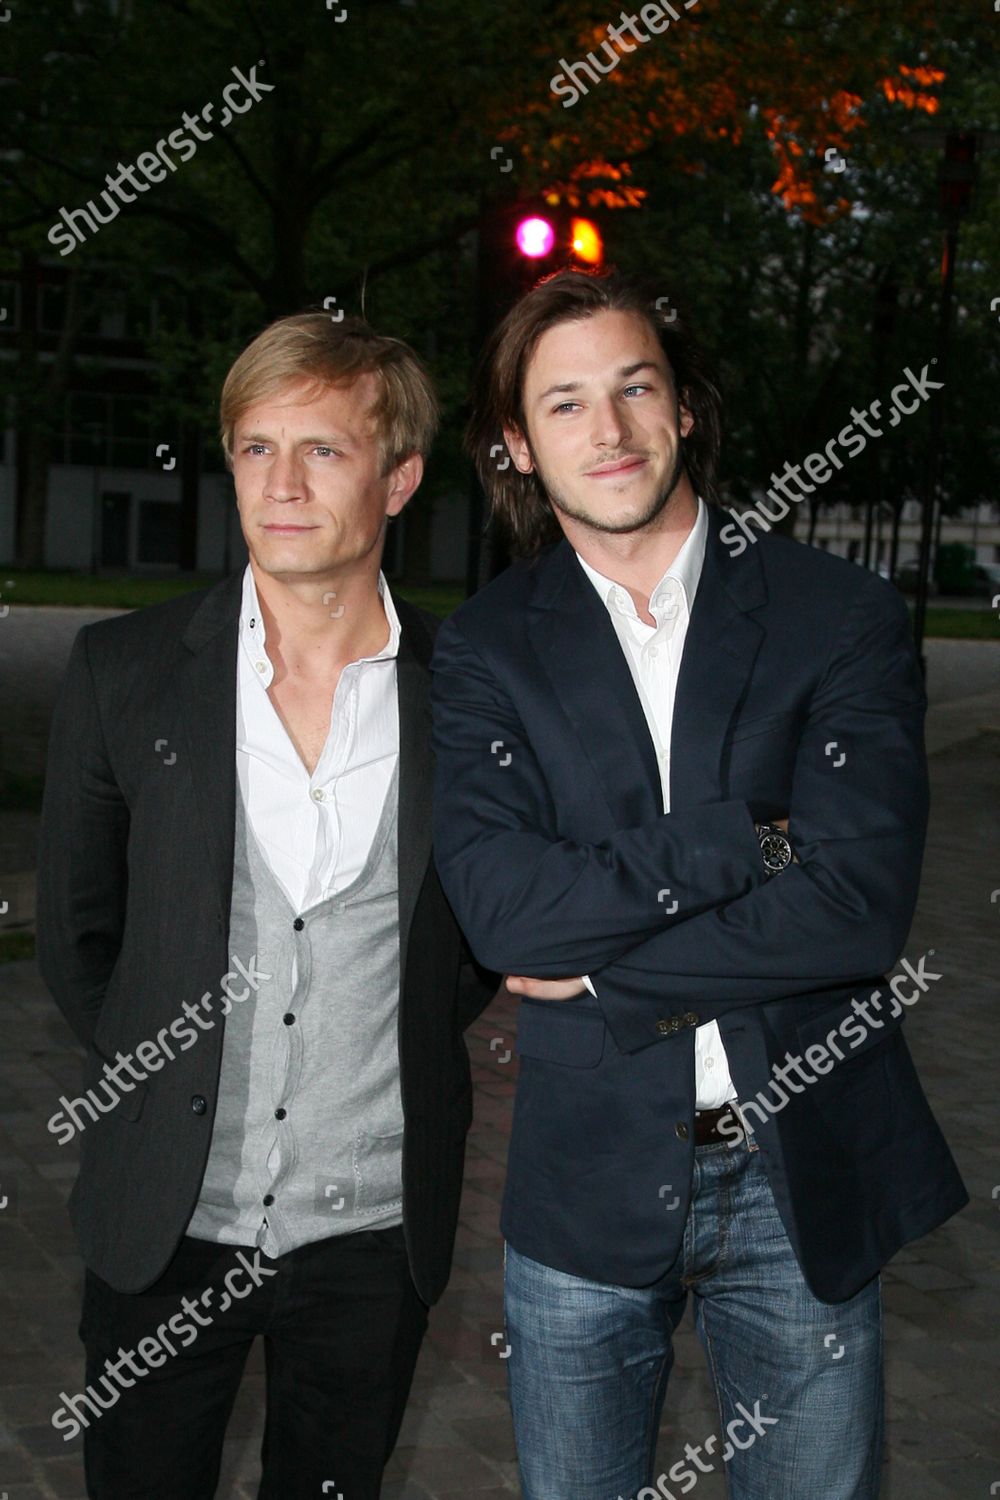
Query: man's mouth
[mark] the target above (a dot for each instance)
(618, 467)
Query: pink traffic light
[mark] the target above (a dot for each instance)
(535, 237)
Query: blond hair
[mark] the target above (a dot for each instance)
(311, 346)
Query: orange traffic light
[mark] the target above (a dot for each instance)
(586, 242)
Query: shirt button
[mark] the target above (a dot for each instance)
(279, 1114)
(261, 666)
(318, 794)
(289, 1019)
(654, 650)
(709, 1062)
(298, 924)
(681, 1131)
(267, 1199)
(199, 1103)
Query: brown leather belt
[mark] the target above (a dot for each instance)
(706, 1126)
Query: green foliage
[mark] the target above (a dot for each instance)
(362, 174)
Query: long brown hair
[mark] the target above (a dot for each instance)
(518, 502)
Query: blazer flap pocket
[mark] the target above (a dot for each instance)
(848, 1029)
(554, 1031)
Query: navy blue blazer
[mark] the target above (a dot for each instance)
(799, 692)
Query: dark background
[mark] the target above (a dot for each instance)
(710, 158)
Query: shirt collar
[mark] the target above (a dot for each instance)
(686, 568)
(253, 634)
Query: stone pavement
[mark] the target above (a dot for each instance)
(942, 1294)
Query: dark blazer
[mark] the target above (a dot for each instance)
(134, 886)
(799, 691)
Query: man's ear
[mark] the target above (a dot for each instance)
(686, 419)
(403, 481)
(517, 447)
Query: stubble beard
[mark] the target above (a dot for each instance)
(564, 507)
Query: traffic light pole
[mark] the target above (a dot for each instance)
(930, 485)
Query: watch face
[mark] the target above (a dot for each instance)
(776, 850)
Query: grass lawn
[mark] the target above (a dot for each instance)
(961, 624)
(104, 592)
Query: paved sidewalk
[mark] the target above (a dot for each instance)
(942, 1295)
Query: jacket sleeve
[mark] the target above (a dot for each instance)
(82, 852)
(858, 819)
(528, 901)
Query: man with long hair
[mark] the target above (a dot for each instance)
(681, 800)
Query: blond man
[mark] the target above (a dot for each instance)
(239, 916)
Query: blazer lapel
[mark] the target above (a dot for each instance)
(576, 643)
(719, 652)
(415, 764)
(207, 693)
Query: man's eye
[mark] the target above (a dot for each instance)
(325, 452)
(254, 448)
(566, 406)
(639, 388)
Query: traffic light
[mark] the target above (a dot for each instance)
(558, 237)
(535, 237)
(520, 242)
(586, 242)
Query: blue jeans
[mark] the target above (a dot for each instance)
(798, 1381)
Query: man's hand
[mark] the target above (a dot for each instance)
(544, 989)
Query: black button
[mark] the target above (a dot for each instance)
(268, 1199)
(279, 1114)
(298, 924)
(199, 1103)
(666, 1028)
(681, 1130)
(289, 1020)
(689, 1018)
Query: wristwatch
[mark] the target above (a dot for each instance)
(775, 849)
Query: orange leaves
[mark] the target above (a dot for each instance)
(912, 94)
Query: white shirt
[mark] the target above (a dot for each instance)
(653, 653)
(315, 831)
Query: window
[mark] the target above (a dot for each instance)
(10, 306)
(114, 430)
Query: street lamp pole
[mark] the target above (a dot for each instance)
(958, 171)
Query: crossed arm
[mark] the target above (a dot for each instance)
(841, 913)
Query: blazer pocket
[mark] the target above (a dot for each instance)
(552, 1031)
(764, 724)
(858, 1037)
(129, 1103)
